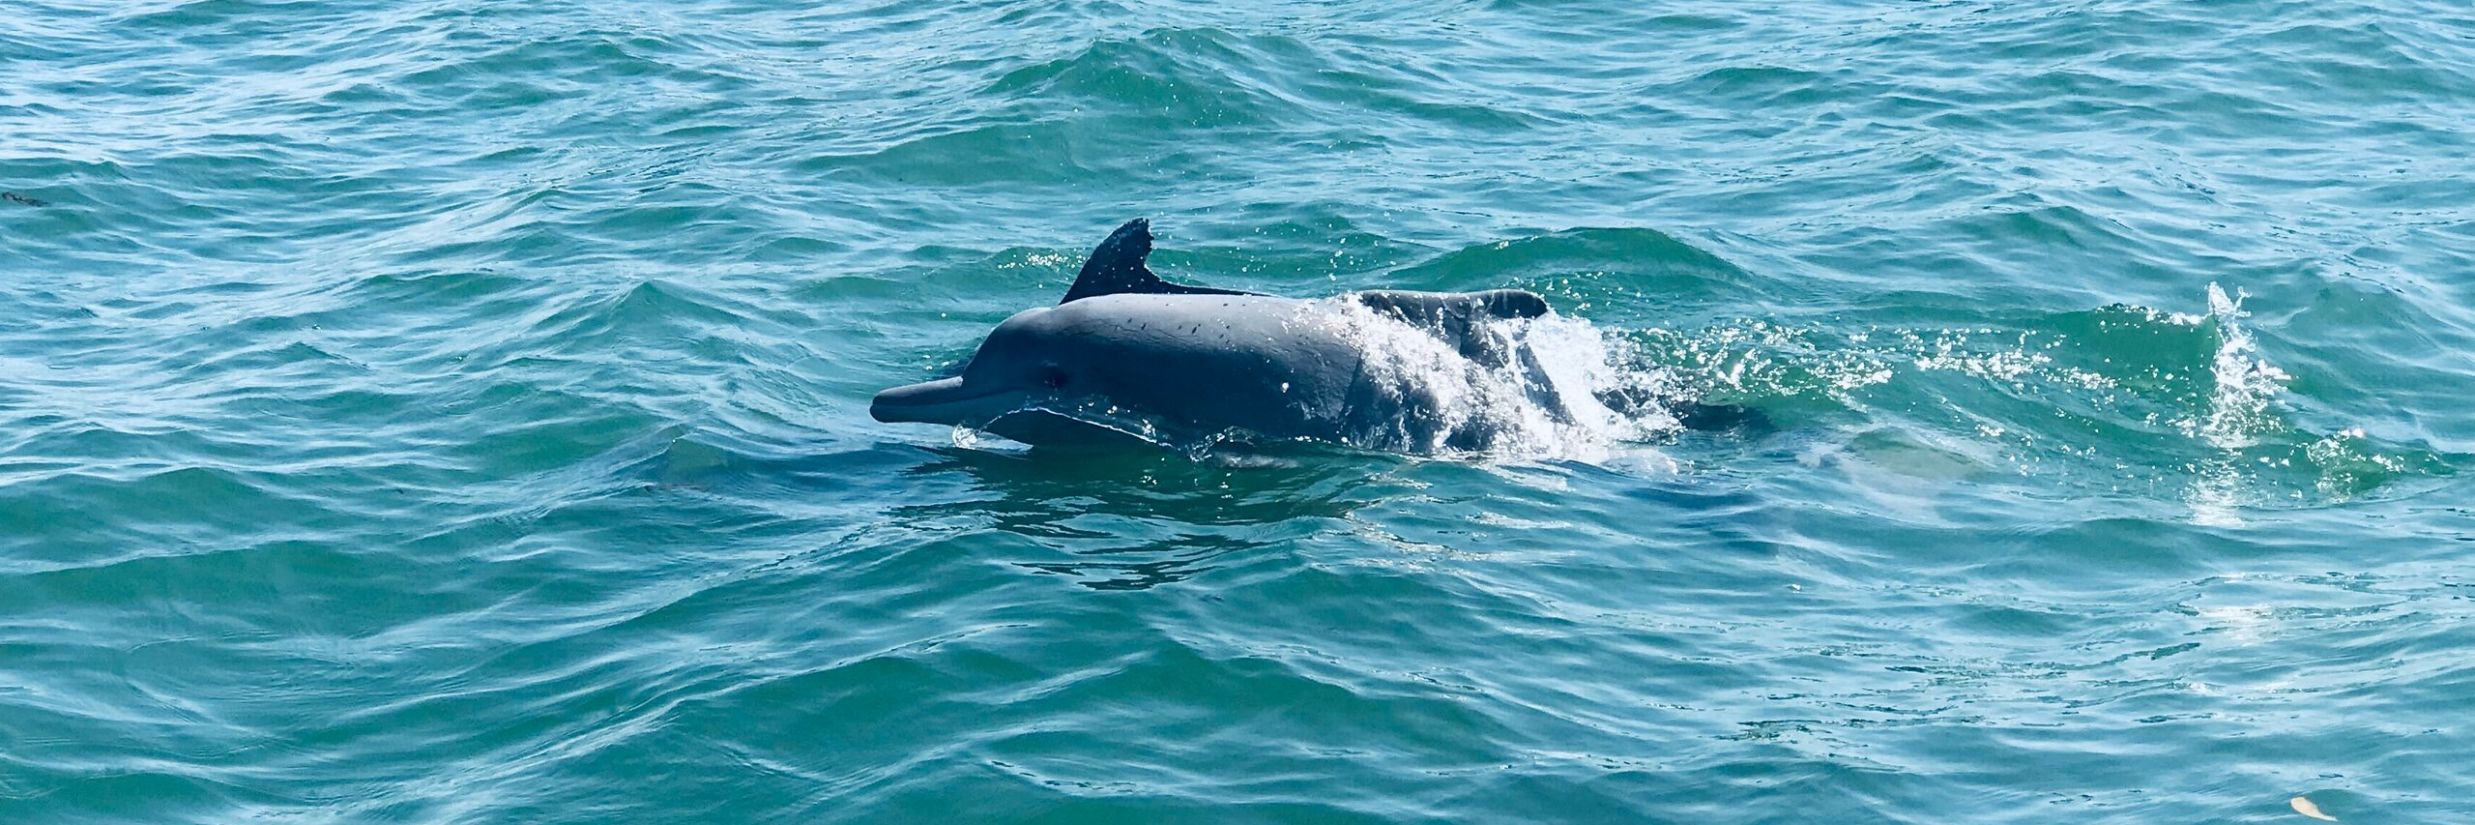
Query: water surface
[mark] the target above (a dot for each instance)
(449, 412)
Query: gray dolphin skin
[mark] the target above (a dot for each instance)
(1125, 346)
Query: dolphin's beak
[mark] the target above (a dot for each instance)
(943, 401)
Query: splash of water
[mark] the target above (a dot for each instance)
(2118, 400)
(2245, 384)
(2238, 413)
(1540, 400)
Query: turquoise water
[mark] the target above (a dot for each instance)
(457, 412)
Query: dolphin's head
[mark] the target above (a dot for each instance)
(1021, 366)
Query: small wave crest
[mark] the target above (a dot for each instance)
(2186, 409)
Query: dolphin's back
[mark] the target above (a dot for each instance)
(1276, 366)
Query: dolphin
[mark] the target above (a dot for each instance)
(1128, 355)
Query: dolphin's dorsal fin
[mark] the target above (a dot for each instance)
(1116, 267)
(1431, 308)
(1454, 316)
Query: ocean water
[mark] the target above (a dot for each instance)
(433, 412)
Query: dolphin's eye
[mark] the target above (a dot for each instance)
(1053, 377)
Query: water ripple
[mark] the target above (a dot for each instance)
(419, 411)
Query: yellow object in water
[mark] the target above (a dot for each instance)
(2305, 807)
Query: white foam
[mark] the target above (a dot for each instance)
(1542, 403)
(2239, 412)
